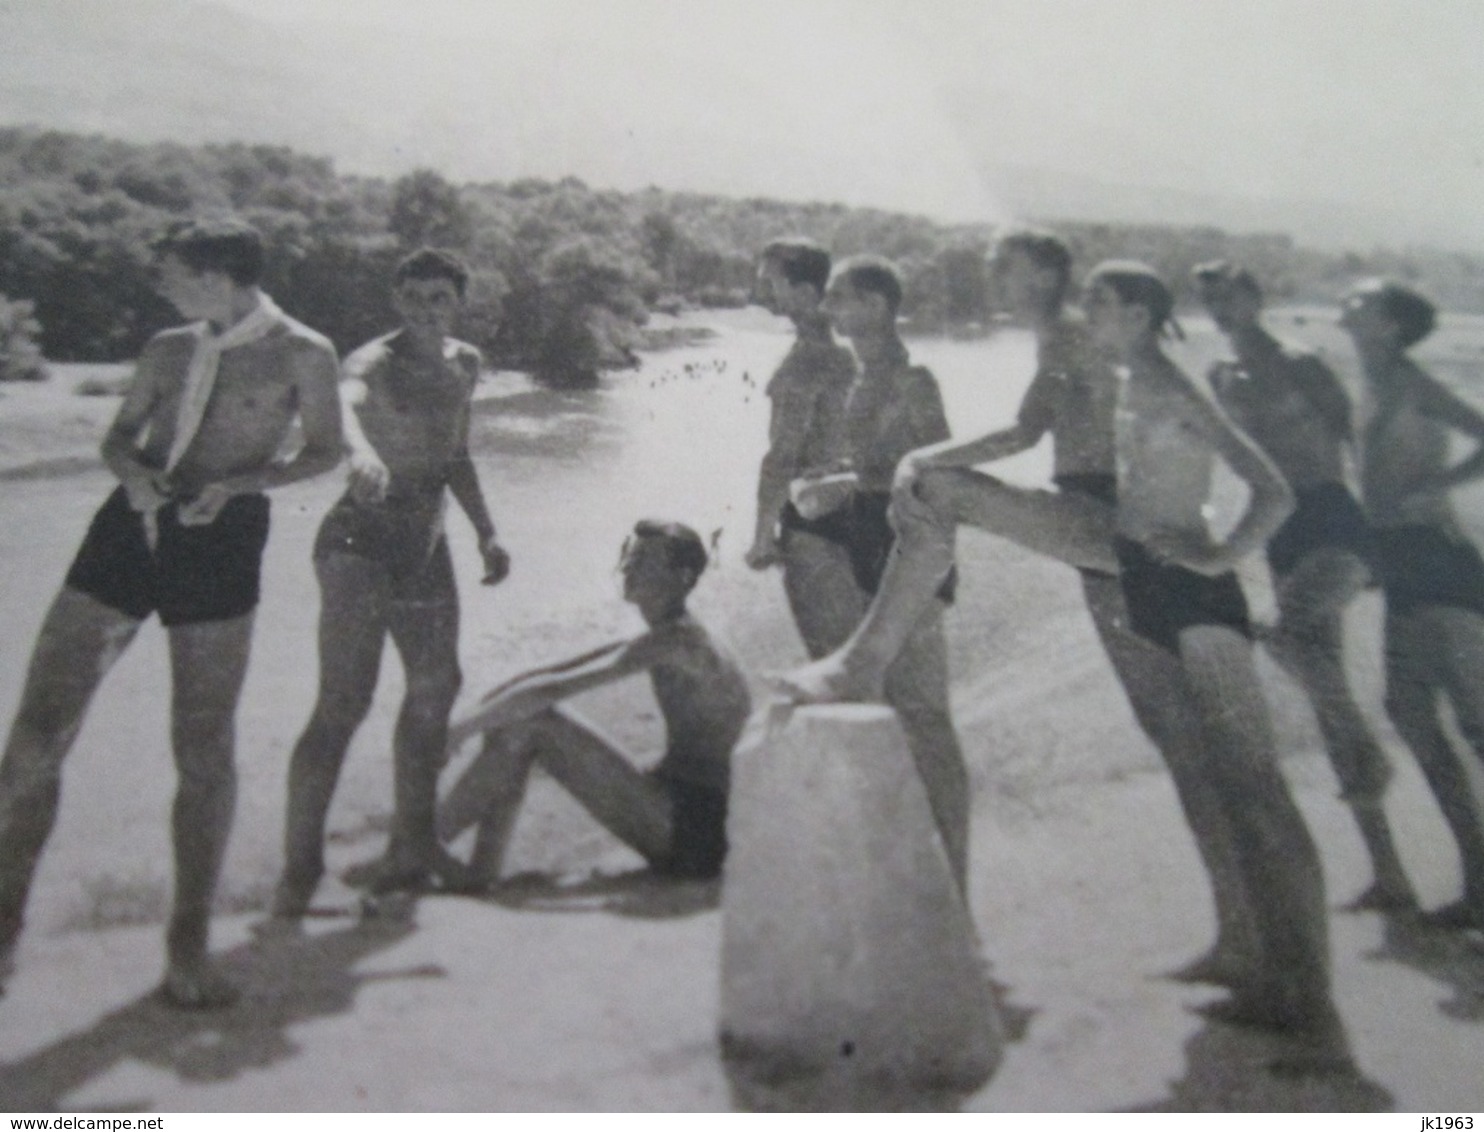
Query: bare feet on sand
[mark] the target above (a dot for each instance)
(198, 986)
(1379, 898)
(439, 871)
(1314, 1040)
(1216, 968)
(1461, 915)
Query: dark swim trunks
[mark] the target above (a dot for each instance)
(1327, 515)
(1164, 599)
(862, 528)
(194, 574)
(1423, 565)
(405, 539)
(698, 837)
(1102, 486)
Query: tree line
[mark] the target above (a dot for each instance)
(564, 275)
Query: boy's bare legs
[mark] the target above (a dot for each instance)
(822, 595)
(1072, 528)
(1427, 653)
(1153, 679)
(78, 643)
(1276, 853)
(1308, 642)
(627, 802)
(917, 687)
(352, 630)
(208, 662)
(426, 635)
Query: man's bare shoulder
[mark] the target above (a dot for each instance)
(174, 338)
(366, 358)
(918, 382)
(305, 339)
(464, 355)
(811, 365)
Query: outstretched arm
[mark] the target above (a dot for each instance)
(533, 692)
(1033, 421)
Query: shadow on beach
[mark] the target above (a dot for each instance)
(287, 977)
(1230, 1069)
(1448, 957)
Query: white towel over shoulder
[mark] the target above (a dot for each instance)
(201, 375)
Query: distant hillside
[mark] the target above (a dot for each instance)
(176, 70)
(563, 274)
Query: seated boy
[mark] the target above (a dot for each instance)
(673, 815)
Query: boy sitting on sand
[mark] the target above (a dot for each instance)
(675, 814)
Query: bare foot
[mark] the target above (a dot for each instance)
(198, 986)
(827, 681)
(436, 871)
(1214, 967)
(291, 898)
(1378, 898)
(1461, 915)
(1317, 1034)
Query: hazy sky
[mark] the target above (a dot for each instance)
(906, 103)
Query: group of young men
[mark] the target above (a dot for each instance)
(197, 442)
(1134, 446)
(859, 497)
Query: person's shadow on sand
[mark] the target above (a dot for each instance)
(1447, 956)
(1230, 1069)
(286, 976)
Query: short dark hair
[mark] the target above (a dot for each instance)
(873, 275)
(1042, 247)
(1413, 312)
(433, 263)
(1045, 249)
(1137, 284)
(686, 550)
(1224, 273)
(228, 245)
(801, 260)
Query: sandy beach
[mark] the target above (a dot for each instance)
(602, 993)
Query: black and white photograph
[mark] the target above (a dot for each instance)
(742, 555)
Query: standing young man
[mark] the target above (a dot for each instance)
(1072, 398)
(1294, 406)
(195, 444)
(1181, 596)
(1432, 576)
(894, 408)
(808, 393)
(384, 571)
